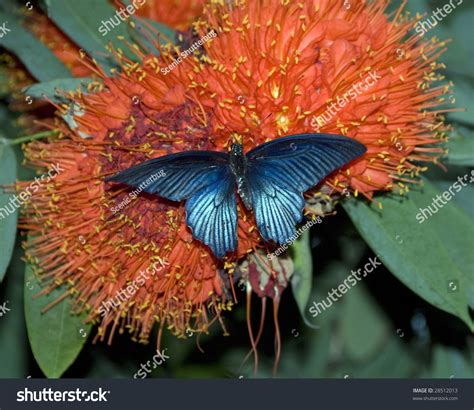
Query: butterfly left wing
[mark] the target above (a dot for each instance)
(205, 180)
(185, 173)
(280, 171)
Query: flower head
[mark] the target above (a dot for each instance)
(300, 67)
(273, 68)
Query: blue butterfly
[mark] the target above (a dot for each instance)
(270, 180)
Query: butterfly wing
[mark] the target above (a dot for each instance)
(205, 180)
(280, 171)
(184, 173)
(211, 213)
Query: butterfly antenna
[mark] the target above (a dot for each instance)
(261, 122)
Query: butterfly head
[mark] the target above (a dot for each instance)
(236, 150)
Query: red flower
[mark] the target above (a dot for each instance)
(274, 68)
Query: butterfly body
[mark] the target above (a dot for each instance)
(270, 179)
(238, 165)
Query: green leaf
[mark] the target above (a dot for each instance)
(317, 356)
(422, 256)
(396, 360)
(36, 57)
(145, 34)
(13, 342)
(442, 180)
(449, 363)
(461, 148)
(455, 229)
(167, 33)
(364, 329)
(82, 20)
(9, 120)
(302, 278)
(52, 89)
(463, 90)
(56, 336)
(74, 111)
(461, 46)
(8, 219)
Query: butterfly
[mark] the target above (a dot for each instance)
(270, 180)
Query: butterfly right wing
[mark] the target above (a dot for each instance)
(205, 180)
(280, 171)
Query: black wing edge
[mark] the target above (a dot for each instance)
(284, 143)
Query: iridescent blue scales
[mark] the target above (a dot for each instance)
(270, 179)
